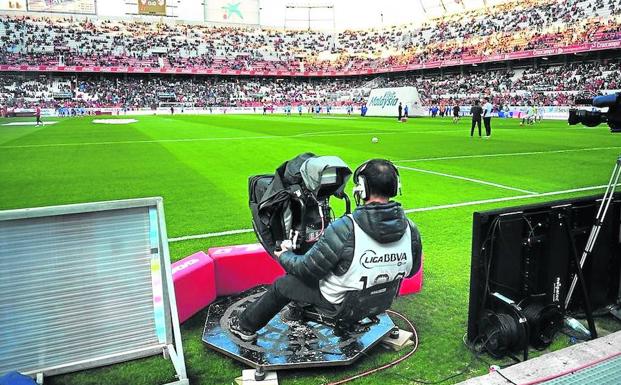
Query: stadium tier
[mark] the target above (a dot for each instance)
(511, 30)
(550, 85)
(450, 59)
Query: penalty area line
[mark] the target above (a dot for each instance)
(408, 211)
(479, 181)
(496, 200)
(506, 154)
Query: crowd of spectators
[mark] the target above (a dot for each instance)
(551, 85)
(509, 27)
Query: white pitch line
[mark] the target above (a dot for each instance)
(32, 124)
(479, 181)
(486, 201)
(505, 154)
(421, 209)
(302, 135)
(210, 235)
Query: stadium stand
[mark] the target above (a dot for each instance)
(552, 85)
(383, 57)
(506, 28)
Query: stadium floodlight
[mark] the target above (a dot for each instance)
(86, 285)
(309, 9)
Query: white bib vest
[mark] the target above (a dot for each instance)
(373, 263)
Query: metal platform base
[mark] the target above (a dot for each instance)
(287, 345)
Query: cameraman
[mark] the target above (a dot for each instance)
(334, 265)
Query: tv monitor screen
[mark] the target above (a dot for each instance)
(527, 253)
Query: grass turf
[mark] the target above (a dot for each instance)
(200, 165)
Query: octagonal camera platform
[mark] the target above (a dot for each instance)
(287, 344)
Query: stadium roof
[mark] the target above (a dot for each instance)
(354, 14)
(434, 8)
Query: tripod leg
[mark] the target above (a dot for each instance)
(599, 221)
(585, 293)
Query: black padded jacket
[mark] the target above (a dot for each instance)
(334, 251)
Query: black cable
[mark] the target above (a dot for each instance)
(525, 326)
(515, 334)
(425, 382)
(505, 377)
(531, 296)
(489, 256)
(501, 285)
(533, 313)
(460, 373)
(544, 322)
(477, 353)
(531, 232)
(514, 358)
(390, 364)
(490, 237)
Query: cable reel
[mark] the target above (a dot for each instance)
(544, 321)
(503, 333)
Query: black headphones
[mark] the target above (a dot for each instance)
(361, 188)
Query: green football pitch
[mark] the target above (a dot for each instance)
(200, 165)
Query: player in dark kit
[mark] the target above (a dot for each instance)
(456, 111)
(476, 112)
(400, 110)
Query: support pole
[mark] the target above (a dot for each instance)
(599, 221)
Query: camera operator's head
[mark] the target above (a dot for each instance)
(377, 180)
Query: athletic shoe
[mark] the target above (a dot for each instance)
(238, 331)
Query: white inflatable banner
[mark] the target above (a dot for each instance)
(385, 102)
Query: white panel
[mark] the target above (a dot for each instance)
(12, 5)
(232, 11)
(385, 101)
(76, 287)
(63, 6)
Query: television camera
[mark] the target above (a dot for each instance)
(292, 207)
(596, 117)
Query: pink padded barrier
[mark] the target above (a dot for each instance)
(199, 278)
(195, 284)
(414, 284)
(239, 268)
(242, 267)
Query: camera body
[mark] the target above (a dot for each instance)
(595, 118)
(293, 204)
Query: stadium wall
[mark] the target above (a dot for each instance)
(612, 46)
(517, 112)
